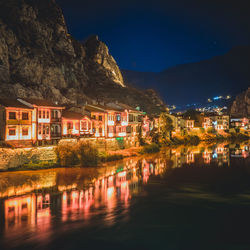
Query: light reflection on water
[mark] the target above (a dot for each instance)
(36, 204)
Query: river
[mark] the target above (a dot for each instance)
(182, 198)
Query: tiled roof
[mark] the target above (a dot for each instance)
(72, 115)
(13, 103)
(41, 102)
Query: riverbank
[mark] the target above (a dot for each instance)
(82, 154)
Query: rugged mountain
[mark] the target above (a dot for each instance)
(39, 58)
(241, 105)
(196, 82)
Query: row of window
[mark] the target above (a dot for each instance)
(99, 117)
(13, 131)
(44, 114)
(84, 125)
(13, 116)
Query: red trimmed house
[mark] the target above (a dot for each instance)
(75, 124)
(46, 120)
(16, 122)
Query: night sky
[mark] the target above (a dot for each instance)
(154, 35)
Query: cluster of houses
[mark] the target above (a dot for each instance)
(37, 122)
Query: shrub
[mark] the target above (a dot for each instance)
(211, 131)
(202, 130)
(105, 157)
(66, 155)
(150, 148)
(237, 129)
(87, 154)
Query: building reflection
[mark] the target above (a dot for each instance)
(219, 155)
(78, 194)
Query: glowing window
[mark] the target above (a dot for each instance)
(25, 131)
(84, 125)
(77, 125)
(40, 114)
(12, 131)
(12, 115)
(25, 116)
(39, 129)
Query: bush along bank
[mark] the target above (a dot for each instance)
(192, 140)
(83, 154)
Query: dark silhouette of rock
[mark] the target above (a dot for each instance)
(241, 104)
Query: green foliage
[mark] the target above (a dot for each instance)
(166, 127)
(150, 148)
(66, 155)
(202, 130)
(237, 129)
(83, 153)
(211, 131)
(87, 154)
(38, 165)
(105, 157)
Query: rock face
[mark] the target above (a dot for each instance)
(38, 58)
(241, 105)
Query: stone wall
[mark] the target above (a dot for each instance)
(104, 144)
(12, 158)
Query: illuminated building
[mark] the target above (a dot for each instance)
(16, 122)
(75, 124)
(46, 120)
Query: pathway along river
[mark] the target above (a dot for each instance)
(184, 198)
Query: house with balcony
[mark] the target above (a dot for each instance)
(108, 120)
(99, 117)
(46, 120)
(76, 124)
(218, 122)
(134, 120)
(16, 122)
(241, 123)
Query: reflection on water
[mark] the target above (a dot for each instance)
(35, 204)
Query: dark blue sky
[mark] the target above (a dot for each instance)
(154, 35)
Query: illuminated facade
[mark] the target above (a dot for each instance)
(76, 124)
(218, 122)
(16, 122)
(46, 120)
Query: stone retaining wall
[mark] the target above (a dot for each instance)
(12, 158)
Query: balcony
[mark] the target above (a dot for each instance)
(18, 122)
(56, 135)
(55, 119)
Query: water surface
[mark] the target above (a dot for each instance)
(184, 198)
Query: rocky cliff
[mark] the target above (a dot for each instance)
(241, 105)
(39, 58)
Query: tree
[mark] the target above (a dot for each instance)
(166, 127)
